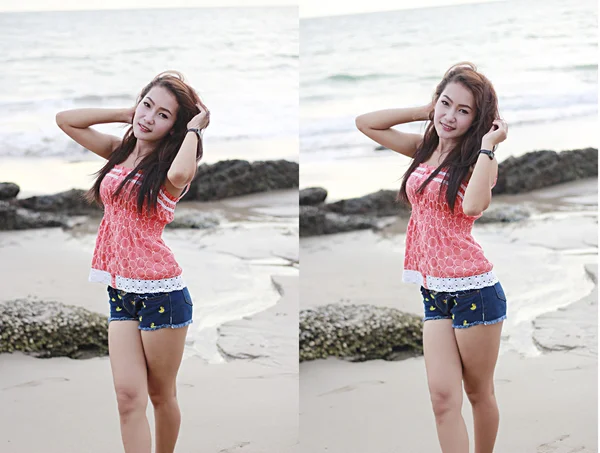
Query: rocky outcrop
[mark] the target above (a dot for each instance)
(15, 218)
(8, 190)
(379, 204)
(232, 178)
(315, 221)
(52, 329)
(194, 220)
(70, 202)
(504, 213)
(312, 196)
(539, 169)
(359, 333)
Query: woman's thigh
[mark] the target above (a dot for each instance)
(163, 349)
(442, 361)
(127, 360)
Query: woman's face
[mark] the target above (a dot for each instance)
(454, 111)
(155, 115)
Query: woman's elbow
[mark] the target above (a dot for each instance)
(60, 119)
(180, 179)
(360, 122)
(474, 209)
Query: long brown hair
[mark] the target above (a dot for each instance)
(465, 152)
(155, 165)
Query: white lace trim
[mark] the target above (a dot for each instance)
(132, 285)
(443, 284)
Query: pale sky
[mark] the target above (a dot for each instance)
(308, 8)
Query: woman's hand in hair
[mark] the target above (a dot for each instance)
(202, 119)
(497, 134)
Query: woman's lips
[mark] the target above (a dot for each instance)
(143, 128)
(447, 128)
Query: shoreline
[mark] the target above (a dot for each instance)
(49, 175)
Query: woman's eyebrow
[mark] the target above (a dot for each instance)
(460, 105)
(159, 107)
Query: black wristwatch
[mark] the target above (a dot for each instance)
(489, 153)
(197, 131)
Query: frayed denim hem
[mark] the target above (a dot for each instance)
(172, 326)
(436, 318)
(485, 323)
(121, 319)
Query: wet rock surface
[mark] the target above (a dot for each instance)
(8, 190)
(504, 213)
(312, 196)
(70, 202)
(539, 169)
(194, 220)
(52, 329)
(358, 333)
(232, 178)
(15, 218)
(379, 204)
(315, 221)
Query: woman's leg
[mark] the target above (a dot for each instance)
(164, 350)
(444, 377)
(479, 346)
(128, 365)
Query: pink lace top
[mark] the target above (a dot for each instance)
(441, 253)
(130, 253)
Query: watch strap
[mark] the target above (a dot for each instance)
(489, 153)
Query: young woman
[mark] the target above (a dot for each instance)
(146, 173)
(448, 184)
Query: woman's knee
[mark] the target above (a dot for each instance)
(161, 393)
(445, 401)
(479, 392)
(130, 400)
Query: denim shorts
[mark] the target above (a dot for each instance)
(152, 310)
(466, 308)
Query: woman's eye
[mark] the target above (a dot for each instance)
(464, 111)
(146, 104)
(164, 116)
(444, 102)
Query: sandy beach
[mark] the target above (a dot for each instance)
(238, 382)
(546, 377)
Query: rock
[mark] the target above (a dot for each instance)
(8, 190)
(70, 202)
(312, 196)
(232, 178)
(194, 219)
(52, 329)
(14, 218)
(539, 169)
(315, 221)
(381, 203)
(504, 213)
(359, 333)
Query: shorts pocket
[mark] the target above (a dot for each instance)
(187, 297)
(154, 298)
(500, 291)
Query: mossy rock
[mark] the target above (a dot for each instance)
(359, 333)
(52, 329)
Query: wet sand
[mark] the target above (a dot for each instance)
(546, 378)
(243, 277)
